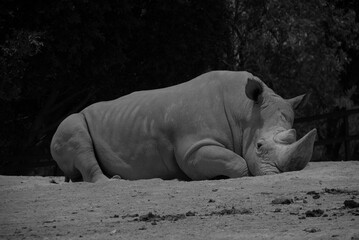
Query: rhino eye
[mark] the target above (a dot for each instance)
(259, 145)
(285, 117)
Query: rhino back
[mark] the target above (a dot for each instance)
(136, 136)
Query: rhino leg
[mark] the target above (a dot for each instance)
(215, 162)
(72, 149)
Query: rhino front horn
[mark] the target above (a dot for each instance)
(294, 157)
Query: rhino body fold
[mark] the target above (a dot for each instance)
(220, 124)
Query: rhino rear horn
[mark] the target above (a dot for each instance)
(253, 89)
(286, 137)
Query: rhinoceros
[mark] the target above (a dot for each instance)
(221, 124)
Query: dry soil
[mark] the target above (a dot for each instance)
(319, 202)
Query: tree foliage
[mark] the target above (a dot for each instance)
(296, 46)
(59, 56)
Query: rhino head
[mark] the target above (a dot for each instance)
(270, 144)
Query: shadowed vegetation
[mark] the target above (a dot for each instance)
(56, 57)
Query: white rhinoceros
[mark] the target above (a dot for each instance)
(220, 124)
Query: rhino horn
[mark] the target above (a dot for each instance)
(295, 156)
(286, 137)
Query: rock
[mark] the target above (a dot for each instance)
(53, 181)
(354, 212)
(148, 217)
(312, 230)
(351, 204)
(314, 213)
(230, 211)
(340, 191)
(142, 228)
(277, 210)
(294, 212)
(282, 200)
(354, 236)
(130, 216)
(314, 194)
(190, 214)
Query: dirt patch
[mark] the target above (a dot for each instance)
(319, 202)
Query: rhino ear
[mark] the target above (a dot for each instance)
(299, 101)
(253, 89)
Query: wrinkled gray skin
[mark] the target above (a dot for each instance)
(220, 124)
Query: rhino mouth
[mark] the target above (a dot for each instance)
(273, 171)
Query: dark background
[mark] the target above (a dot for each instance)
(56, 57)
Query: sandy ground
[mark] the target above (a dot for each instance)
(319, 202)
